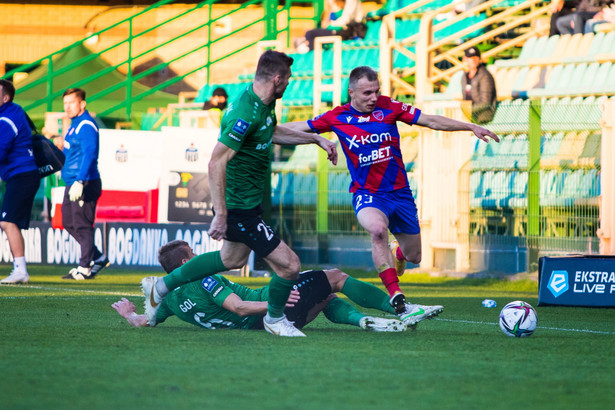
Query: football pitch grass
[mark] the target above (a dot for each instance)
(64, 347)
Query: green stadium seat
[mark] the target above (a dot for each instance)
(305, 189)
(518, 197)
(590, 156)
(540, 48)
(588, 57)
(551, 186)
(495, 189)
(607, 46)
(551, 144)
(480, 182)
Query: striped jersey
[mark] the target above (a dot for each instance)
(371, 142)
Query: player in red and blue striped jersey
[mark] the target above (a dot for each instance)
(383, 201)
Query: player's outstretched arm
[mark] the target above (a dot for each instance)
(127, 310)
(297, 134)
(438, 122)
(240, 307)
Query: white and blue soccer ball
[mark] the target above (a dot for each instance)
(518, 319)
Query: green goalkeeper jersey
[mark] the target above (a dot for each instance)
(247, 128)
(200, 303)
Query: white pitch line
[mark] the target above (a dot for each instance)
(98, 292)
(539, 327)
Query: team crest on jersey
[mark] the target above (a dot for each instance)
(209, 284)
(379, 115)
(241, 127)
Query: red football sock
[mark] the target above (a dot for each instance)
(399, 255)
(390, 280)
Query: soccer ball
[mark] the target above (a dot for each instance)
(518, 319)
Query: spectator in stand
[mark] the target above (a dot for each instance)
(216, 105)
(604, 16)
(478, 86)
(575, 23)
(560, 8)
(342, 18)
(19, 172)
(217, 100)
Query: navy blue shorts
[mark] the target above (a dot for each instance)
(397, 205)
(314, 288)
(246, 226)
(19, 197)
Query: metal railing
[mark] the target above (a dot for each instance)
(271, 10)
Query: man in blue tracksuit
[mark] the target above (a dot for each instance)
(18, 170)
(83, 185)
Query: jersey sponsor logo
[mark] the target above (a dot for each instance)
(241, 127)
(264, 146)
(232, 136)
(379, 115)
(411, 110)
(348, 119)
(377, 155)
(209, 284)
(363, 119)
(368, 139)
(404, 107)
(217, 291)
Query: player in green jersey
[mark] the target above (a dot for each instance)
(238, 168)
(215, 302)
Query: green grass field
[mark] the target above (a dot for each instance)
(64, 347)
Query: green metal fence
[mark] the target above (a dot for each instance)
(275, 20)
(539, 188)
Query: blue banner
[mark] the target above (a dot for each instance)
(577, 281)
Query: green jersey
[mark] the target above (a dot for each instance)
(200, 303)
(247, 128)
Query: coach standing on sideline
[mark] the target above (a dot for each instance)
(18, 169)
(83, 185)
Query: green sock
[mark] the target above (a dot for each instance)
(279, 290)
(340, 311)
(367, 295)
(199, 267)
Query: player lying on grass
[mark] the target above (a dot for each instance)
(215, 302)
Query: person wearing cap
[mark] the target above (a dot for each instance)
(216, 105)
(478, 86)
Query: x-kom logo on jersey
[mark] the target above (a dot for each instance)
(352, 143)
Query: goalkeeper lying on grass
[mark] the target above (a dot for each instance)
(216, 303)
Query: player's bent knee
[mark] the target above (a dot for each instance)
(336, 279)
(415, 258)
